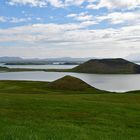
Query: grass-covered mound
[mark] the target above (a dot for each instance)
(108, 66)
(70, 83)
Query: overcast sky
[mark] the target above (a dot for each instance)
(74, 28)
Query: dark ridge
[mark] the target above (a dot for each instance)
(108, 66)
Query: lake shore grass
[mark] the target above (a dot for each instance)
(33, 111)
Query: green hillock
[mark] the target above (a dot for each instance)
(70, 83)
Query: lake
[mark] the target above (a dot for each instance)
(40, 66)
(112, 82)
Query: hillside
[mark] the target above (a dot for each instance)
(10, 59)
(108, 66)
(70, 83)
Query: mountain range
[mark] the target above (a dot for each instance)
(19, 60)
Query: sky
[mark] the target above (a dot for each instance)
(69, 28)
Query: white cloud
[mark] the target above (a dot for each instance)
(56, 3)
(44, 3)
(92, 6)
(60, 32)
(84, 18)
(2, 19)
(70, 38)
(14, 19)
(35, 3)
(72, 15)
(81, 17)
(88, 23)
(112, 4)
(90, 1)
(118, 17)
(18, 20)
(113, 18)
(74, 2)
(30, 2)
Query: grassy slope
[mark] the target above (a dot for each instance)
(31, 111)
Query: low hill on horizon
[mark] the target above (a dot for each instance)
(20, 60)
(108, 66)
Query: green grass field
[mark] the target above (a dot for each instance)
(32, 111)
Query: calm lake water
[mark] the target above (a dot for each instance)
(118, 83)
(40, 66)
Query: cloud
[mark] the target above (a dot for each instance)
(40, 32)
(44, 3)
(14, 19)
(78, 37)
(113, 18)
(18, 20)
(68, 37)
(84, 18)
(118, 17)
(81, 17)
(2, 19)
(56, 3)
(92, 4)
(115, 4)
(37, 3)
(74, 2)
(66, 32)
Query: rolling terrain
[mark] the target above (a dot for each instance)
(36, 111)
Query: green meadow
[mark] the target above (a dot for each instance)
(34, 111)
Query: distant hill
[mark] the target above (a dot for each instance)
(41, 61)
(10, 59)
(70, 83)
(108, 66)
